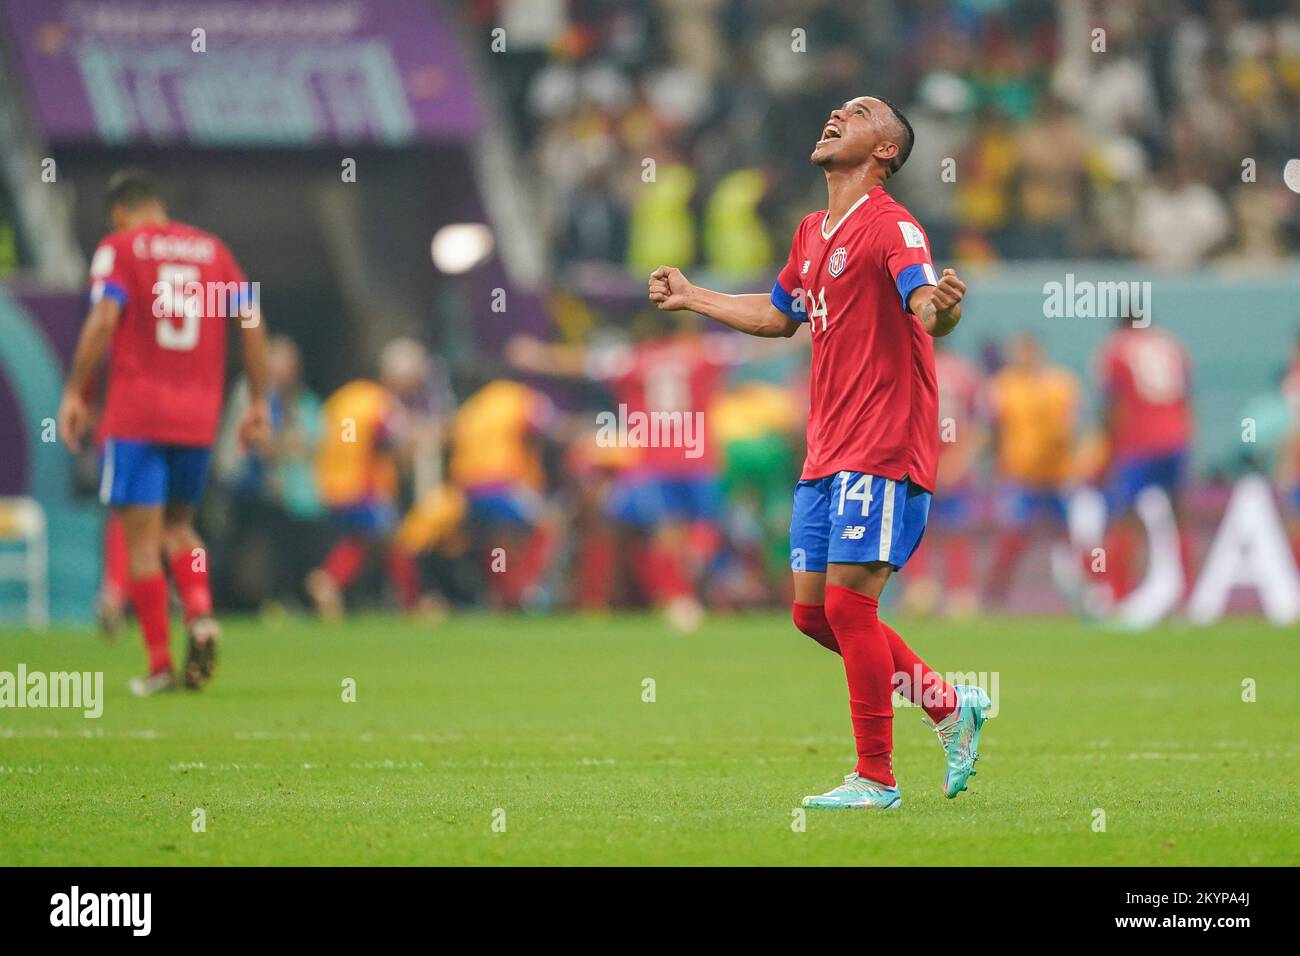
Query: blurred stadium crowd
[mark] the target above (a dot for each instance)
(1137, 152)
(386, 492)
(424, 486)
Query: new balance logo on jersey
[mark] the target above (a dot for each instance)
(854, 532)
(807, 264)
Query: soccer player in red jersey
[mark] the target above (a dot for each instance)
(670, 493)
(860, 277)
(962, 439)
(162, 294)
(1144, 377)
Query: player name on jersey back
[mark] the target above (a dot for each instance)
(177, 288)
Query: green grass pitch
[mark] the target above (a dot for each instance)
(544, 719)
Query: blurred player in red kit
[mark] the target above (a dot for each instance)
(1144, 378)
(860, 277)
(163, 295)
(670, 492)
(962, 438)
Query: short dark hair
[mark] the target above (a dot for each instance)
(905, 147)
(131, 187)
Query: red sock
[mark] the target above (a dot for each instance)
(598, 559)
(1006, 555)
(912, 676)
(1186, 556)
(961, 563)
(915, 681)
(528, 567)
(1119, 544)
(344, 561)
(662, 577)
(115, 558)
(192, 585)
(404, 573)
(811, 619)
(868, 667)
(149, 598)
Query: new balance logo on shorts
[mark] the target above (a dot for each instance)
(851, 517)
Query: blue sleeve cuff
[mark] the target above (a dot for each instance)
(107, 289)
(784, 302)
(913, 277)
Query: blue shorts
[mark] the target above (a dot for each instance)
(1020, 505)
(504, 504)
(1131, 476)
(143, 473)
(369, 516)
(855, 518)
(645, 501)
(954, 510)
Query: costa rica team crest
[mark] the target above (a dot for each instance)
(838, 260)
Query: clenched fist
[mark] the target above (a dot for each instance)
(669, 289)
(949, 291)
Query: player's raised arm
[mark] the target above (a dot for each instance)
(938, 307)
(751, 314)
(98, 329)
(529, 354)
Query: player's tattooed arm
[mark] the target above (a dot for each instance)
(751, 314)
(939, 306)
(74, 412)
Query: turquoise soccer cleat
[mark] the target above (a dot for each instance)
(857, 793)
(959, 733)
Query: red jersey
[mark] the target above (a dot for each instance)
(1146, 375)
(672, 375)
(179, 288)
(959, 394)
(874, 402)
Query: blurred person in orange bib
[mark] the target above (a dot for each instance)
(1033, 408)
(365, 438)
(497, 465)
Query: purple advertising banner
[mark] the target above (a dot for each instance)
(242, 72)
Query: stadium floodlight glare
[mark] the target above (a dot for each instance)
(1291, 175)
(460, 246)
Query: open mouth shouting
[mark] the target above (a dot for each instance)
(830, 132)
